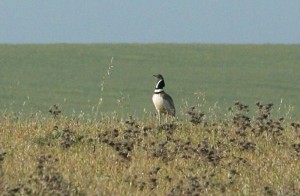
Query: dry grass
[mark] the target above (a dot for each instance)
(58, 155)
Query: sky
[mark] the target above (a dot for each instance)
(155, 21)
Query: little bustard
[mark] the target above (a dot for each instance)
(162, 101)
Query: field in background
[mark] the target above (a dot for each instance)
(34, 77)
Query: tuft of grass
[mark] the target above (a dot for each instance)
(102, 83)
(201, 155)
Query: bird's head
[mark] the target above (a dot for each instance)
(159, 77)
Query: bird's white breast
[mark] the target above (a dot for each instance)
(158, 101)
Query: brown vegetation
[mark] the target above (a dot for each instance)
(56, 155)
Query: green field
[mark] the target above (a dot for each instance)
(34, 77)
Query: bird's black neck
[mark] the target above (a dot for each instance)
(159, 86)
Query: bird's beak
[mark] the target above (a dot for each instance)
(155, 76)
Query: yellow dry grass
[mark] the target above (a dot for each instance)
(111, 156)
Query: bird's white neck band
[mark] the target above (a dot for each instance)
(158, 90)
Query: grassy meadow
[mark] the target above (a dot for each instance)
(34, 77)
(78, 120)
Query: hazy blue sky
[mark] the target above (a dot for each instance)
(141, 21)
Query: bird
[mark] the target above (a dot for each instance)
(162, 101)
